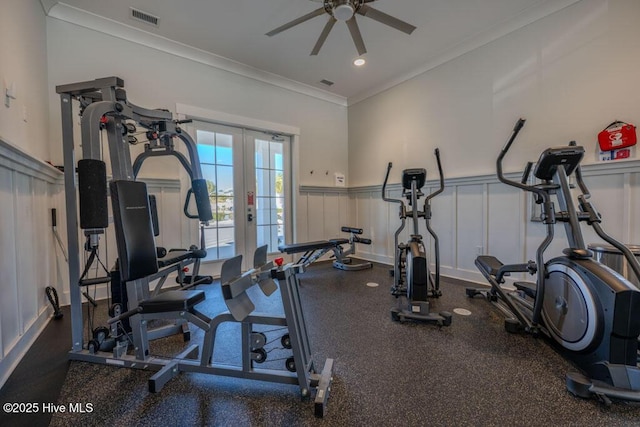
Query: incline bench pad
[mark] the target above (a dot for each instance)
(311, 246)
(133, 229)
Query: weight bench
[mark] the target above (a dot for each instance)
(312, 251)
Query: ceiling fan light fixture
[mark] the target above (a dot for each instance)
(359, 62)
(343, 11)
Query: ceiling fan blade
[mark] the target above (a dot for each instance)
(323, 36)
(382, 17)
(295, 22)
(356, 36)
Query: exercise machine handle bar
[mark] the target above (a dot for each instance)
(441, 189)
(384, 188)
(522, 185)
(429, 197)
(542, 197)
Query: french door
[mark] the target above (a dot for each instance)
(248, 178)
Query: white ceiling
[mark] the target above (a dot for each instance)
(235, 29)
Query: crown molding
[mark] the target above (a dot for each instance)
(82, 18)
(47, 5)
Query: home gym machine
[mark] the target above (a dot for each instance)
(411, 275)
(590, 312)
(105, 108)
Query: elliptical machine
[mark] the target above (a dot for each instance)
(412, 278)
(588, 310)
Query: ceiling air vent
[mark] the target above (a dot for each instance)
(139, 15)
(326, 82)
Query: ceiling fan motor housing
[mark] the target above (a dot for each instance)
(342, 10)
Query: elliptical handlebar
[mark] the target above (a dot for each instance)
(522, 185)
(384, 187)
(441, 189)
(579, 180)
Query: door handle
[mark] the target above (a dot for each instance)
(249, 217)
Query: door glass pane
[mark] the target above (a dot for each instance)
(269, 193)
(216, 158)
(275, 158)
(263, 182)
(263, 206)
(224, 149)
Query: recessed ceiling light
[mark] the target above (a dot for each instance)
(359, 62)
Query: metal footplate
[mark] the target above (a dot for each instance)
(322, 383)
(582, 386)
(421, 314)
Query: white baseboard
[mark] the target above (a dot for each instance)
(22, 345)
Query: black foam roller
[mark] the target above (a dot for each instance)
(201, 195)
(92, 189)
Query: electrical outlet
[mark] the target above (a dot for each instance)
(479, 250)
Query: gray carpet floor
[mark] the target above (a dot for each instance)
(386, 373)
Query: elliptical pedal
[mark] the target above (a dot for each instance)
(528, 288)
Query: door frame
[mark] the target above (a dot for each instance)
(185, 111)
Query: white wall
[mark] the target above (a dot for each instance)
(569, 74)
(23, 62)
(157, 79)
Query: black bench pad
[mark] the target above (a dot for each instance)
(172, 301)
(294, 248)
(337, 242)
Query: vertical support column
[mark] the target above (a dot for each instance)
(140, 337)
(288, 282)
(72, 221)
(246, 346)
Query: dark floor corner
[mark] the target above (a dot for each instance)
(386, 373)
(39, 376)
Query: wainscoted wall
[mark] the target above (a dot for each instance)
(28, 188)
(321, 211)
(31, 259)
(474, 215)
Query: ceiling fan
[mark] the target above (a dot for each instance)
(346, 10)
